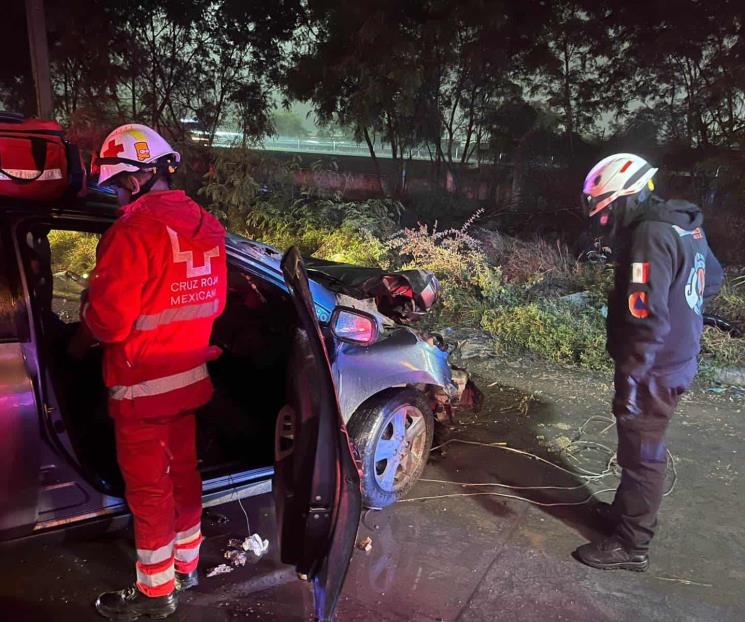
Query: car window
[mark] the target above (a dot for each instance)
(7, 310)
(9, 321)
(72, 256)
(59, 264)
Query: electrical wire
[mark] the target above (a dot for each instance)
(589, 498)
(240, 504)
(611, 468)
(585, 475)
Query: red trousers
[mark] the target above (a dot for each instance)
(158, 459)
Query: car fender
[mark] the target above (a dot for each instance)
(401, 358)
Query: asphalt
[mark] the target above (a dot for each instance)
(470, 558)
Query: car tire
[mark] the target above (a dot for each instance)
(393, 434)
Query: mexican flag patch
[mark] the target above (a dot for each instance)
(640, 272)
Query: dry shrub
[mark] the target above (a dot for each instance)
(730, 302)
(720, 349)
(527, 262)
(451, 254)
(468, 280)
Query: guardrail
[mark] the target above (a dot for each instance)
(321, 146)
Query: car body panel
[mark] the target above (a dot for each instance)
(266, 260)
(19, 439)
(400, 358)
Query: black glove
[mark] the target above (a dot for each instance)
(625, 399)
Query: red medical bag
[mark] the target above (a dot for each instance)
(36, 162)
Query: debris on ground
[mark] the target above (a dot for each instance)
(365, 544)
(730, 375)
(577, 299)
(240, 552)
(236, 557)
(255, 544)
(218, 570)
(559, 444)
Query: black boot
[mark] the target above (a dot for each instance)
(186, 581)
(611, 554)
(131, 604)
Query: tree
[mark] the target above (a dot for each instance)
(411, 74)
(288, 123)
(687, 60)
(163, 61)
(16, 81)
(565, 68)
(356, 62)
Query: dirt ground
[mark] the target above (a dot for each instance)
(477, 557)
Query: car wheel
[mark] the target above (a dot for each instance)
(393, 433)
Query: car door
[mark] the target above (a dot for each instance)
(20, 442)
(316, 483)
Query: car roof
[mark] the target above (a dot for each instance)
(100, 203)
(97, 202)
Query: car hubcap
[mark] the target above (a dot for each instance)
(400, 447)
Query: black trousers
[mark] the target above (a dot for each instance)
(642, 455)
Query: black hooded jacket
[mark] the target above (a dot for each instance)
(665, 271)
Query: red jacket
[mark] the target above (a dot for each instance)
(159, 283)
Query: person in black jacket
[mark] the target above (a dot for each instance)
(664, 273)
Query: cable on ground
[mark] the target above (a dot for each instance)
(586, 475)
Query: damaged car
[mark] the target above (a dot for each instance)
(389, 381)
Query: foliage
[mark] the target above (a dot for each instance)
(682, 61)
(72, 250)
(341, 231)
(319, 222)
(288, 123)
(468, 282)
(553, 330)
(720, 349)
(164, 63)
(730, 302)
(410, 73)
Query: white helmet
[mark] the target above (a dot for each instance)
(134, 147)
(619, 175)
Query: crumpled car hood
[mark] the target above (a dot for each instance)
(403, 296)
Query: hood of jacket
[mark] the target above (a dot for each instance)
(685, 215)
(177, 211)
(631, 212)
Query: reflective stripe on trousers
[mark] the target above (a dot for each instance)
(188, 535)
(156, 580)
(187, 549)
(157, 556)
(158, 386)
(178, 314)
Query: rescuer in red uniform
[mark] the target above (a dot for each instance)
(159, 283)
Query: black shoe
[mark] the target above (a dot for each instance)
(131, 604)
(611, 554)
(186, 581)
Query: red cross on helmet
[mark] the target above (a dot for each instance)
(134, 147)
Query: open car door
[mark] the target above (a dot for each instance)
(316, 482)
